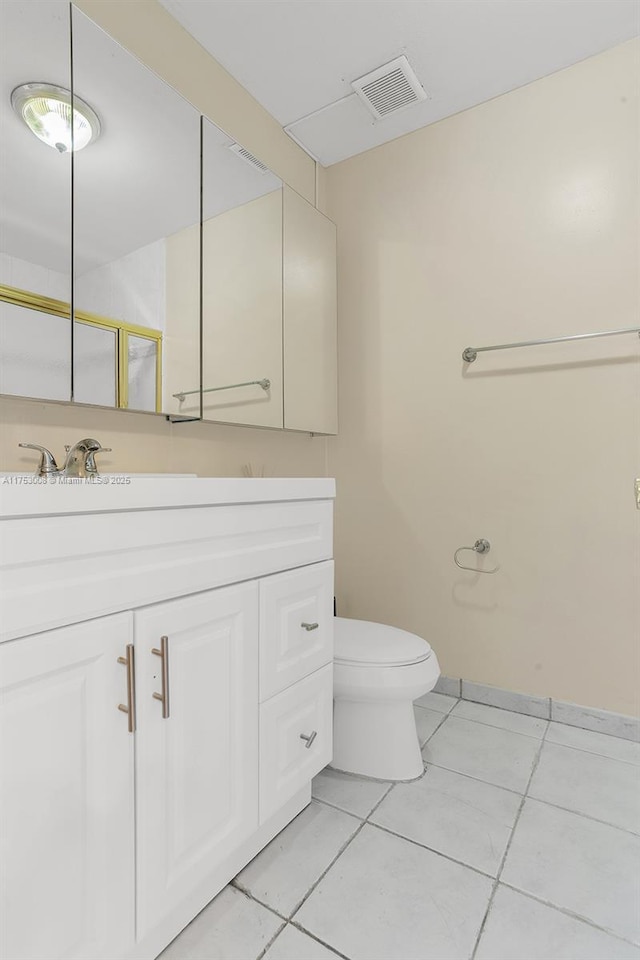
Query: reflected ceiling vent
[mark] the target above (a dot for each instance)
(390, 88)
(249, 158)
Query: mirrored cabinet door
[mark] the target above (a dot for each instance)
(136, 200)
(35, 200)
(241, 285)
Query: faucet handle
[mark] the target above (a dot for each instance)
(91, 465)
(47, 465)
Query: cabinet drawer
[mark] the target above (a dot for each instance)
(287, 759)
(296, 626)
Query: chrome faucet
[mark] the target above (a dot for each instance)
(79, 462)
(81, 458)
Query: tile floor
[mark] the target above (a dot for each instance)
(520, 842)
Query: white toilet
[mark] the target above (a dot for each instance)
(378, 672)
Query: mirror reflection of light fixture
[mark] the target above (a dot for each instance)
(46, 110)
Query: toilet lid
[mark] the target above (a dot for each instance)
(375, 644)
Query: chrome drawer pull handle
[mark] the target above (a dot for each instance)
(310, 626)
(130, 707)
(310, 737)
(163, 697)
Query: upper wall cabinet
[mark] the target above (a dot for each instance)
(148, 261)
(35, 203)
(136, 188)
(268, 296)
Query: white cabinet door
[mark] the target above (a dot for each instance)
(66, 795)
(197, 752)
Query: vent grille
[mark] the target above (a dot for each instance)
(248, 157)
(390, 88)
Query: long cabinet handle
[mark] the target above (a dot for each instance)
(163, 697)
(130, 708)
(310, 626)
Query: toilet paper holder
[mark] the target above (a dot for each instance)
(481, 546)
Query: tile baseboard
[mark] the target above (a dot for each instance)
(573, 714)
(507, 699)
(602, 721)
(448, 686)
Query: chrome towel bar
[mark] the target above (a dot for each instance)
(265, 384)
(469, 354)
(480, 546)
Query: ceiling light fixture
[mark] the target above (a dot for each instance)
(46, 110)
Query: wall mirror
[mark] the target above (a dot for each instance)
(35, 204)
(136, 218)
(242, 372)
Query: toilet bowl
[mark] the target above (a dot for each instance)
(378, 672)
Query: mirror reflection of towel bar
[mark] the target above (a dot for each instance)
(265, 384)
(480, 546)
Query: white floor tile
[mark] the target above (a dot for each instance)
(506, 719)
(595, 786)
(519, 928)
(460, 817)
(586, 867)
(353, 794)
(614, 747)
(292, 944)
(427, 722)
(231, 927)
(497, 756)
(283, 873)
(437, 701)
(388, 898)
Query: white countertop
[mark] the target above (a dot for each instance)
(30, 496)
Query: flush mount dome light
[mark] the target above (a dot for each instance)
(46, 110)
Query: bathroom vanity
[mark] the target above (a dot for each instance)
(166, 676)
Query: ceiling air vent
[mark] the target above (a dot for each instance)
(390, 88)
(249, 158)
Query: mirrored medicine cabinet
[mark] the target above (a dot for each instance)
(148, 262)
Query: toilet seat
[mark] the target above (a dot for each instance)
(366, 644)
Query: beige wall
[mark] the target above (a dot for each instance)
(148, 444)
(514, 220)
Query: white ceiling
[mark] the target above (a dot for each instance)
(299, 56)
